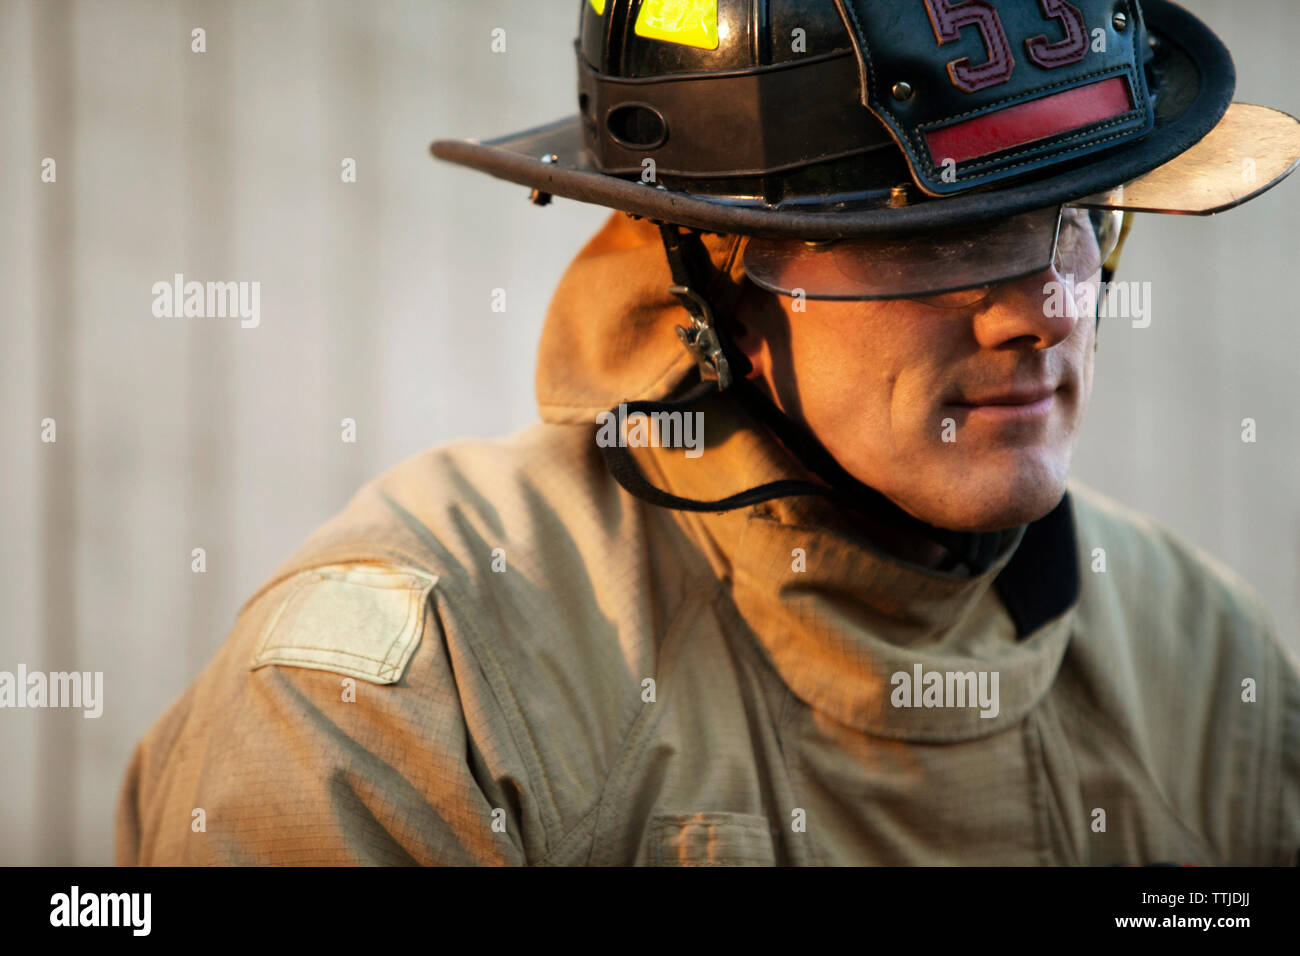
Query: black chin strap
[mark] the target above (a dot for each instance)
(978, 550)
(724, 368)
(622, 466)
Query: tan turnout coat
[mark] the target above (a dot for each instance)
(495, 655)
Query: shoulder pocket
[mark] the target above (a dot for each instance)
(361, 620)
(709, 839)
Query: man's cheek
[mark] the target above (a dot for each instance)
(1086, 360)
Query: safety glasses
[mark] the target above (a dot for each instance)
(953, 269)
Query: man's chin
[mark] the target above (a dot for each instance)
(987, 501)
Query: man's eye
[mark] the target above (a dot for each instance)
(962, 299)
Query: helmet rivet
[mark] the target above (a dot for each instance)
(898, 196)
(902, 90)
(1120, 21)
(550, 159)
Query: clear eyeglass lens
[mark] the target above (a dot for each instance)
(956, 268)
(1108, 225)
(1085, 240)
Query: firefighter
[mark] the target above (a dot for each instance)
(867, 618)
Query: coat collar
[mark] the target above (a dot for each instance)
(839, 619)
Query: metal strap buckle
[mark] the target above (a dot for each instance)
(701, 339)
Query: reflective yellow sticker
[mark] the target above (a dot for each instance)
(688, 22)
(598, 6)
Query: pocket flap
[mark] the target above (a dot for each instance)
(710, 839)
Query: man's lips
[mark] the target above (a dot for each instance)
(1020, 396)
(1023, 405)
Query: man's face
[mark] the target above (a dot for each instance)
(963, 409)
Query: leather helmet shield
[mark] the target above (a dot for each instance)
(975, 93)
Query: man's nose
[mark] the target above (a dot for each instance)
(1037, 312)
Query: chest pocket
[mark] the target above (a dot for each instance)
(709, 839)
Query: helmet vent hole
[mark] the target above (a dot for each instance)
(637, 126)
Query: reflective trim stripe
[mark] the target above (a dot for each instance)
(1030, 122)
(688, 22)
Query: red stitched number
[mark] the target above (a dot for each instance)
(948, 18)
(1063, 52)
